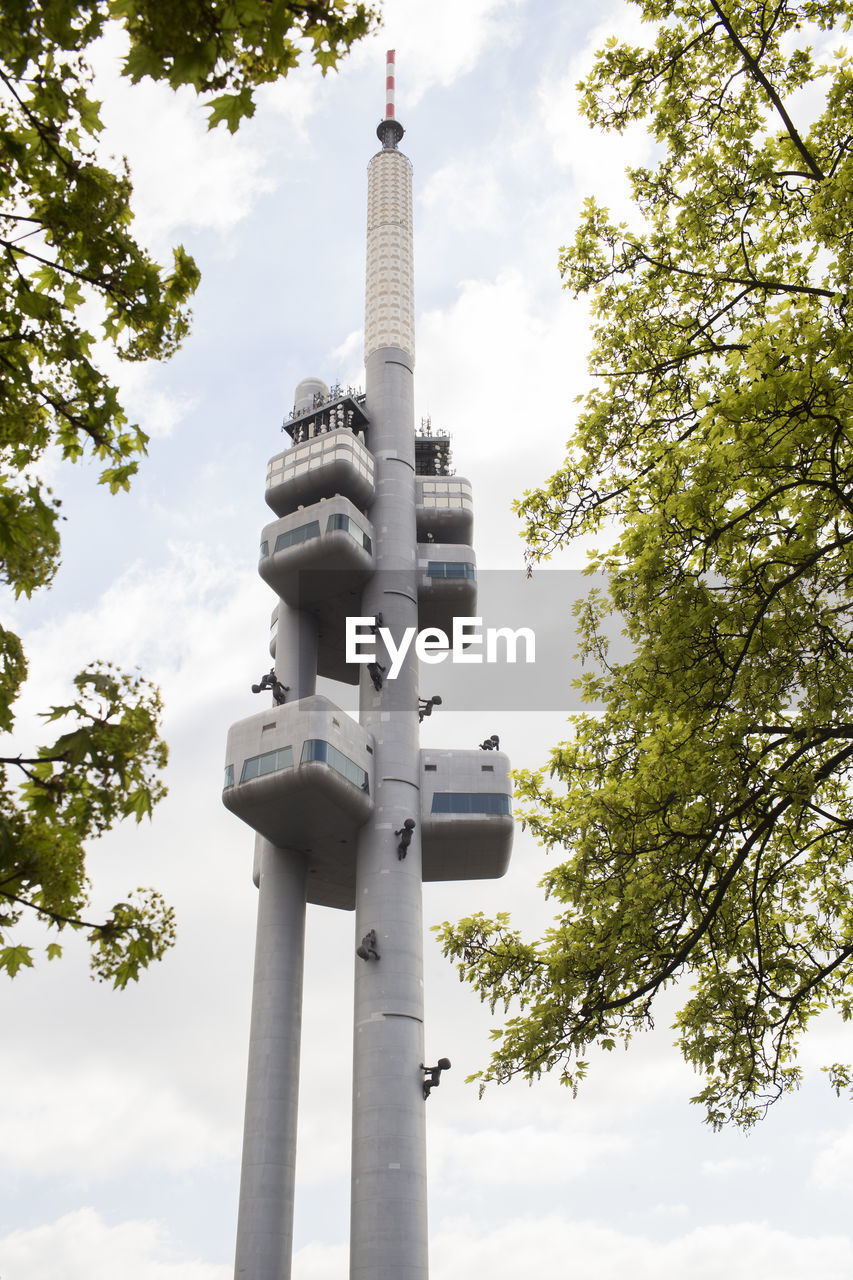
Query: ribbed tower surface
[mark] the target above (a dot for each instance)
(390, 279)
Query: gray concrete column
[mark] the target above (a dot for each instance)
(296, 652)
(265, 1221)
(388, 1230)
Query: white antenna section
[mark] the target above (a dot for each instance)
(389, 85)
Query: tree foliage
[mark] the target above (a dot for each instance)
(230, 47)
(74, 282)
(102, 768)
(706, 809)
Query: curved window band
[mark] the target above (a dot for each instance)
(318, 749)
(314, 749)
(450, 569)
(269, 762)
(471, 802)
(341, 521)
(301, 533)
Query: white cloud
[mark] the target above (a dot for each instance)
(53, 1124)
(503, 362)
(554, 1246)
(439, 41)
(833, 1165)
(181, 622)
(665, 1210)
(295, 100)
(156, 412)
(321, 1262)
(595, 159)
(503, 366)
(467, 196)
(348, 356)
(523, 1155)
(184, 175)
(733, 1165)
(81, 1246)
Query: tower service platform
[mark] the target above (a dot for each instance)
(370, 524)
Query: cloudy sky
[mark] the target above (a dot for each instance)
(121, 1113)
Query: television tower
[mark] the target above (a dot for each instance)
(370, 525)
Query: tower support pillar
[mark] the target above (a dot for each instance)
(296, 652)
(388, 1226)
(265, 1221)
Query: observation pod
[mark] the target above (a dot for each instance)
(298, 548)
(335, 462)
(301, 775)
(466, 814)
(447, 584)
(317, 560)
(444, 509)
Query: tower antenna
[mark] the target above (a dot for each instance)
(389, 131)
(389, 85)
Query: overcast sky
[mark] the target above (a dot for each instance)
(121, 1114)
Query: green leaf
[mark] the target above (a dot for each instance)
(12, 959)
(232, 108)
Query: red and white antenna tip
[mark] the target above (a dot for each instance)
(389, 130)
(389, 85)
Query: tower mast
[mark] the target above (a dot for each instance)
(388, 1224)
(371, 528)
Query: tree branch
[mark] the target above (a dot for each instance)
(683, 952)
(74, 921)
(757, 74)
(49, 784)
